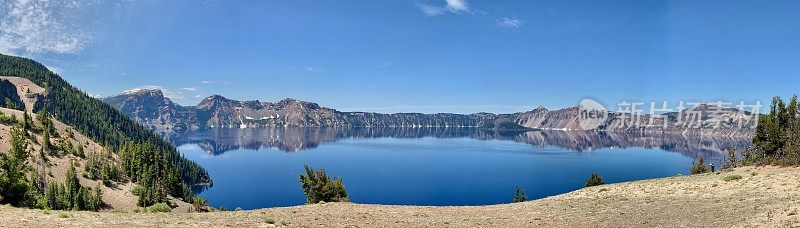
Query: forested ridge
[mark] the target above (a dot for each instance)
(148, 160)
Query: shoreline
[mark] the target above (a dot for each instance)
(764, 196)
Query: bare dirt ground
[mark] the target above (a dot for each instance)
(764, 196)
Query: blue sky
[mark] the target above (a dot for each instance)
(461, 56)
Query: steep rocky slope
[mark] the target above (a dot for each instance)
(22, 93)
(157, 112)
(151, 107)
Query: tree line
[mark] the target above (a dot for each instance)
(777, 137)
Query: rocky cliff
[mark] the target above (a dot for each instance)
(21, 94)
(152, 109)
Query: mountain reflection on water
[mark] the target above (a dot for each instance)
(219, 141)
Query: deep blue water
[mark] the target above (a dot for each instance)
(256, 169)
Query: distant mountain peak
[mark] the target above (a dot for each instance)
(142, 96)
(215, 100)
(214, 97)
(295, 102)
(143, 90)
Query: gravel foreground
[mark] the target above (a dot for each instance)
(764, 196)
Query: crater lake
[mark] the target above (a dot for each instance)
(259, 168)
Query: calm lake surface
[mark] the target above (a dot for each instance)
(258, 168)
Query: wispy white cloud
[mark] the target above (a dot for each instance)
(386, 64)
(41, 26)
(189, 88)
(430, 10)
(212, 82)
(509, 22)
(453, 6)
(312, 69)
(457, 5)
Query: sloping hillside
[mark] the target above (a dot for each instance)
(149, 160)
(116, 197)
(53, 165)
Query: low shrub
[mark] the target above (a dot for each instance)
(200, 204)
(699, 166)
(138, 190)
(732, 178)
(519, 195)
(159, 207)
(594, 180)
(64, 214)
(318, 186)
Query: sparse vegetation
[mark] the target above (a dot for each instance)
(732, 178)
(519, 195)
(699, 166)
(159, 207)
(7, 120)
(71, 195)
(18, 190)
(269, 220)
(200, 204)
(318, 187)
(64, 214)
(594, 180)
(730, 160)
